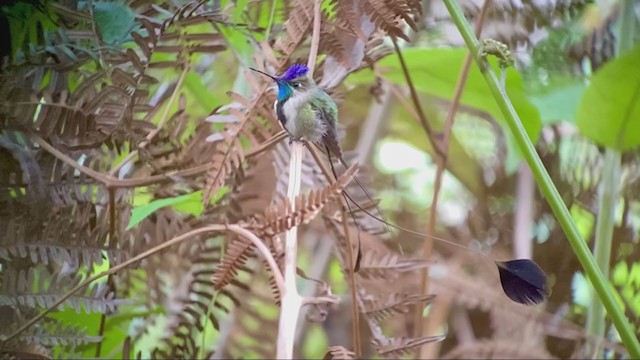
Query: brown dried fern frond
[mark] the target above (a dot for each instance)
(333, 39)
(283, 218)
(514, 23)
(384, 266)
(189, 318)
(394, 303)
(238, 252)
(255, 323)
(36, 288)
(399, 346)
(49, 334)
(67, 236)
(297, 26)
(497, 349)
(387, 14)
(228, 157)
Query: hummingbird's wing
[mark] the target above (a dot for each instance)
(327, 113)
(330, 140)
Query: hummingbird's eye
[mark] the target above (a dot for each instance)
(296, 84)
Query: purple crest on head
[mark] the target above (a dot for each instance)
(294, 72)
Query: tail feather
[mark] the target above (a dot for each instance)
(332, 147)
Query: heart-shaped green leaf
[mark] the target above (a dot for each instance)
(609, 113)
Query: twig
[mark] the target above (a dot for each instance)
(374, 124)
(315, 37)
(114, 183)
(416, 101)
(320, 300)
(272, 15)
(441, 165)
(105, 179)
(176, 240)
(110, 283)
(266, 254)
(355, 327)
(291, 300)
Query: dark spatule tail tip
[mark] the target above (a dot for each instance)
(523, 281)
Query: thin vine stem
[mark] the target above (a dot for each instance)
(441, 165)
(608, 195)
(272, 15)
(602, 286)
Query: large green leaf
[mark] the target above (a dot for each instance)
(609, 113)
(558, 101)
(436, 71)
(114, 21)
(189, 203)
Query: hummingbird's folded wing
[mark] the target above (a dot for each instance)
(330, 138)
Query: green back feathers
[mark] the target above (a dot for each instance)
(322, 101)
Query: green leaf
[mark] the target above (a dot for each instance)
(194, 83)
(191, 205)
(584, 221)
(142, 212)
(620, 273)
(317, 342)
(558, 101)
(436, 71)
(114, 21)
(609, 112)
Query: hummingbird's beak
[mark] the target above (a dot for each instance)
(264, 73)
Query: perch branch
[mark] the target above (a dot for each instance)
(315, 38)
(291, 300)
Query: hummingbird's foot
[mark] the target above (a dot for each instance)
(292, 139)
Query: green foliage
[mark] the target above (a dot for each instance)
(188, 204)
(558, 101)
(609, 112)
(27, 21)
(116, 330)
(436, 71)
(194, 84)
(317, 343)
(584, 221)
(550, 54)
(114, 21)
(627, 279)
(164, 318)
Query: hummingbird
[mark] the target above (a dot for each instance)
(306, 111)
